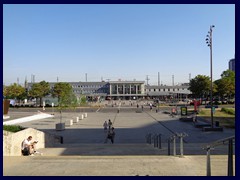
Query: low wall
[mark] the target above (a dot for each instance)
(12, 141)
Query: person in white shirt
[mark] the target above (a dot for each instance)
(28, 147)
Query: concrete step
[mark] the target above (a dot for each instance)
(102, 149)
(128, 149)
(114, 165)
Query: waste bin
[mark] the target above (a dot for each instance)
(217, 123)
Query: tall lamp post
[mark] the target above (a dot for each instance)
(209, 43)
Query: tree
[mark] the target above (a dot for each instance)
(40, 90)
(200, 85)
(65, 95)
(14, 91)
(62, 91)
(228, 74)
(226, 85)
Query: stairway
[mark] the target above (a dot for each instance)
(101, 149)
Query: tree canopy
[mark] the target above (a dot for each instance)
(40, 90)
(200, 85)
(62, 91)
(14, 91)
(226, 85)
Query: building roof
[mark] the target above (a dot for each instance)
(126, 82)
(165, 87)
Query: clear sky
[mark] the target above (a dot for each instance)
(114, 42)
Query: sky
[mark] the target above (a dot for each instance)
(115, 42)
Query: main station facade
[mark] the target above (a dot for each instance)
(125, 90)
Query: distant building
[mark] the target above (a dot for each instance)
(231, 64)
(125, 90)
(167, 91)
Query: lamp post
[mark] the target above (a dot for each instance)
(209, 43)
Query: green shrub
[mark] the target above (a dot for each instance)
(228, 111)
(12, 128)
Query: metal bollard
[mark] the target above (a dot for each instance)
(156, 140)
(230, 157)
(181, 135)
(160, 141)
(208, 149)
(169, 141)
(181, 145)
(174, 145)
(150, 138)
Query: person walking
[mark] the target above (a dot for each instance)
(109, 124)
(110, 135)
(105, 125)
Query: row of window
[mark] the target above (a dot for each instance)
(154, 90)
(89, 91)
(88, 86)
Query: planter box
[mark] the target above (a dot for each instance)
(60, 126)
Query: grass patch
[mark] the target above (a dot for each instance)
(218, 112)
(13, 128)
(224, 118)
(228, 110)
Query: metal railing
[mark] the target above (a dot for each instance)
(230, 140)
(173, 140)
(156, 139)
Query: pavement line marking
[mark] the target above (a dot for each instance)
(27, 119)
(98, 109)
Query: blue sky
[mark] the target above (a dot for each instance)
(115, 42)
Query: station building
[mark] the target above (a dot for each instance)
(125, 90)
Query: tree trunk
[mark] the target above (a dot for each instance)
(40, 101)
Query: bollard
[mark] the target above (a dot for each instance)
(147, 139)
(169, 141)
(70, 122)
(77, 119)
(150, 138)
(82, 116)
(157, 140)
(160, 141)
(181, 145)
(153, 140)
(85, 115)
(208, 162)
(230, 157)
(174, 145)
(181, 135)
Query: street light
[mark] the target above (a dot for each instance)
(209, 43)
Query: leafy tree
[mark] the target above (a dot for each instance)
(226, 85)
(200, 85)
(83, 100)
(228, 74)
(14, 91)
(62, 91)
(65, 95)
(40, 90)
(68, 100)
